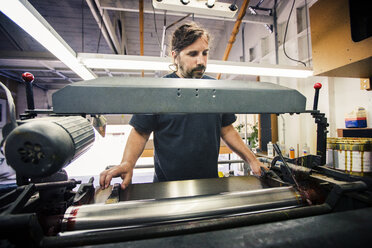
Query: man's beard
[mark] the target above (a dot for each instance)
(196, 72)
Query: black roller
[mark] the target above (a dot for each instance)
(41, 147)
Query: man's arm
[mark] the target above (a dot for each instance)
(133, 150)
(235, 143)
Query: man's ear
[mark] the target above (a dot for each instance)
(174, 56)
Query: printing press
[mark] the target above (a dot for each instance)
(297, 203)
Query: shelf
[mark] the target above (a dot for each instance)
(355, 132)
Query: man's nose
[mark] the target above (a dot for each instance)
(200, 60)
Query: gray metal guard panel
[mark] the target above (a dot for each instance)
(109, 95)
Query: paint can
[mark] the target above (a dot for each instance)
(351, 155)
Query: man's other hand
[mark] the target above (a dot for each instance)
(125, 172)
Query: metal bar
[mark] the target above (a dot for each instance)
(167, 95)
(123, 38)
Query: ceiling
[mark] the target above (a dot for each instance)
(78, 22)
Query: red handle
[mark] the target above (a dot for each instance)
(28, 77)
(317, 86)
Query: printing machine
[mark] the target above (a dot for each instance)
(297, 203)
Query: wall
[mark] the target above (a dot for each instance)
(41, 100)
(348, 96)
(337, 96)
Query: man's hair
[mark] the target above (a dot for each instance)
(185, 35)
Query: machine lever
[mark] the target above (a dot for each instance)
(317, 87)
(28, 78)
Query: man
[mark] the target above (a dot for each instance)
(186, 146)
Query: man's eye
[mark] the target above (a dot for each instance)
(193, 54)
(205, 53)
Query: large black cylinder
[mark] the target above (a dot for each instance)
(41, 147)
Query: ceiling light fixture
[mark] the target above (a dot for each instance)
(27, 17)
(210, 7)
(129, 62)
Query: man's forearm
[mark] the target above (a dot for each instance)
(232, 139)
(134, 148)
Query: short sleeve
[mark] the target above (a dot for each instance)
(228, 119)
(144, 123)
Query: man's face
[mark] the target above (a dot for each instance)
(192, 60)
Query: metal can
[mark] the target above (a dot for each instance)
(352, 155)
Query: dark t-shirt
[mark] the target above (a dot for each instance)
(186, 145)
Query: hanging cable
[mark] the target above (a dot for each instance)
(156, 29)
(285, 35)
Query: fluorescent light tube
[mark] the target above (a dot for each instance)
(246, 68)
(27, 17)
(129, 62)
(124, 62)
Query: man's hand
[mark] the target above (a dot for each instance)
(125, 172)
(257, 166)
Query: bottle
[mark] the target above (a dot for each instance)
(305, 150)
(291, 152)
(270, 149)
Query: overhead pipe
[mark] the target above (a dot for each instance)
(235, 31)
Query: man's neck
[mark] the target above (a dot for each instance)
(178, 73)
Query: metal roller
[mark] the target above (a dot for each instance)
(147, 212)
(41, 147)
